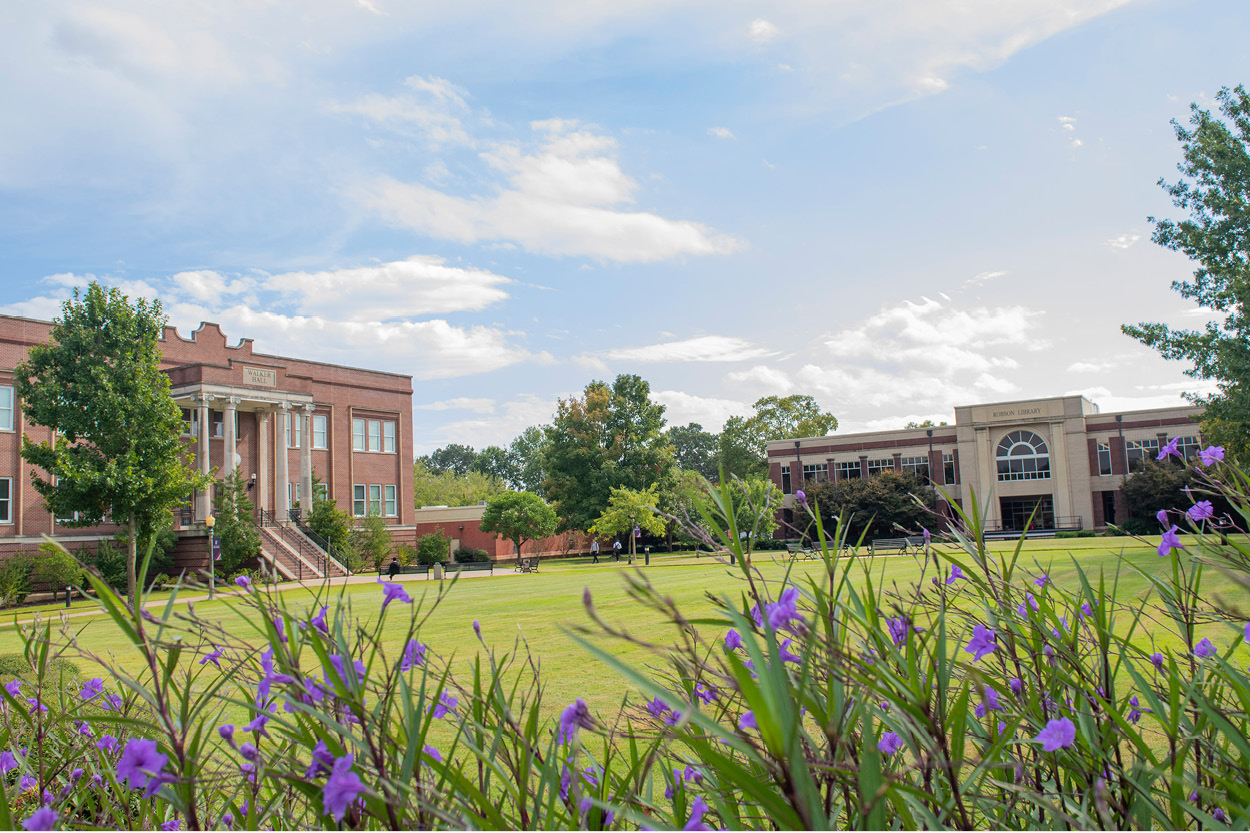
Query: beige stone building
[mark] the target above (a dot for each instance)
(1060, 455)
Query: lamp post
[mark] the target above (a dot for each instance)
(209, 523)
(633, 526)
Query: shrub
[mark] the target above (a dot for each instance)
(406, 553)
(432, 548)
(373, 542)
(466, 555)
(1075, 533)
(14, 580)
(55, 568)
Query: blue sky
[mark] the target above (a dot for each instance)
(896, 206)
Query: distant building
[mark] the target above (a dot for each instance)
(459, 524)
(279, 420)
(1058, 455)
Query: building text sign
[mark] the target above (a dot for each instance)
(260, 376)
(1024, 411)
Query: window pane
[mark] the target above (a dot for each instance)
(358, 499)
(6, 485)
(375, 500)
(358, 435)
(375, 435)
(390, 501)
(388, 436)
(785, 480)
(6, 408)
(319, 431)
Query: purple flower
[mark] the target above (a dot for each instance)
(414, 656)
(172, 824)
(84, 728)
(1211, 455)
(982, 642)
(733, 640)
(889, 744)
(756, 617)
(697, 808)
(393, 591)
(258, 725)
(574, 717)
(990, 704)
(112, 703)
(270, 677)
(244, 582)
(801, 496)
(92, 688)
(477, 629)
(928, 538)
(1134, 714)
(42, 819)
(786, 654)
(318, 622)
(1156, 659)
(249, 752)
(227, 820)
(7, 762)
(212, 656)
(747, 721)
(1170, 542)
(1248, 632)
(97, 781)
(27, 782)
(1218, 815)
(657, 707)
(781, 612)
(1170, 450)
(1042, 580)
(955, 575)
(1205, 648)
(1029, 601)
(35, 705)
(433, 753)
(898, 629)
(447, 705)
(1085, 610)
(279, 624)
(1162, 517)
(142, 764)
(342, 788)
(1017, 685)
(1058, 734)
(322, 761)
(704, 694)
(1201, 511)
(108, 743)
(227, 733)
(340, 665)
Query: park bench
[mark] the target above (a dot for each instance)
(470, 566)
(911, 542)
(410, 570)
(797, 550)
(526, 565)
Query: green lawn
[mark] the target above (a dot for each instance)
(538, 606)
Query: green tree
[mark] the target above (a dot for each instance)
(116, 453)
(526, 452)
(432, 548)
(1215, 189)
(609, 438)
(449, 489)
(454, 458)
(879, 505)
(743, 439)
(327, 520)
(240, 540)
(928, 423)
(627, 507)
(495, 461)
(518, 517)
(754, 503)
(373, 541)
(694, 449)
(55, 567)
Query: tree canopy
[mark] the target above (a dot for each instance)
(627, 507)
(742, 441)
(1215, 189)
(446, 488)
(518, 517)
(117, 453)
(877, 505)
(609, 438)
(694, 449)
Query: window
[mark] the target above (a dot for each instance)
(1104, 459)
(292, 494)
(375, 435)
(216, 420)
(878, 466)
(918, 466)
(321, 491)
(389, 508)
(190, 419)
(948, 468)
(1138, 450)
(817, 473)
(358, 500)
(358, 435)
(6, 408)
(1188, 447)
(388, 437)
(292, 422)
(847, 471)
(6, 500)
(1023, 455)
(319, 431)
(785, 480)
(375, 499)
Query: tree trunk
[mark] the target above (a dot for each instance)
(131, 579)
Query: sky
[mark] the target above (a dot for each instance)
(894, 206)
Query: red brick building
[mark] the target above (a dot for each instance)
(279, 420)
(459, 524)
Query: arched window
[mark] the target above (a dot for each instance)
(1022, 455)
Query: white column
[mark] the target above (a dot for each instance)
(305, 459)
(262, 452)
(987, 471)
(280, 456)
(232, 440)
(204, 500)
(1062, 492)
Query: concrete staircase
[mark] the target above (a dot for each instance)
(294, 554)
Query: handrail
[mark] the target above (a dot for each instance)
(322, 542)
(305, 549)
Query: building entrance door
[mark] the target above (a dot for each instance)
(1016, 512)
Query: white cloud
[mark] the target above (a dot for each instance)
(1091, 367)
(460, 403)
(698, 349)
(1076, 143)
(721, 132)
(1123, 241)
(762, 31)
(1109, 402)
(710, 412)
(406, 288)
(500, 427)
(434, 110)
(933, 84)
(559, 199)
(762, 378)
(207, 285)
(982, 277)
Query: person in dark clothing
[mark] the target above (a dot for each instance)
(393, 569)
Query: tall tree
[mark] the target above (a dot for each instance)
(116, 454)
(1215, 189)
(526, 452)
(240, 540)
(455, 458)
(609, 438)
(495, 461)
(694, 449)
(518, 517)
(449, 489)
(742, 440)
(628, 508)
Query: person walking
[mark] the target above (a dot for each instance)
(616, 549)
(393, 569)
(594, 551)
